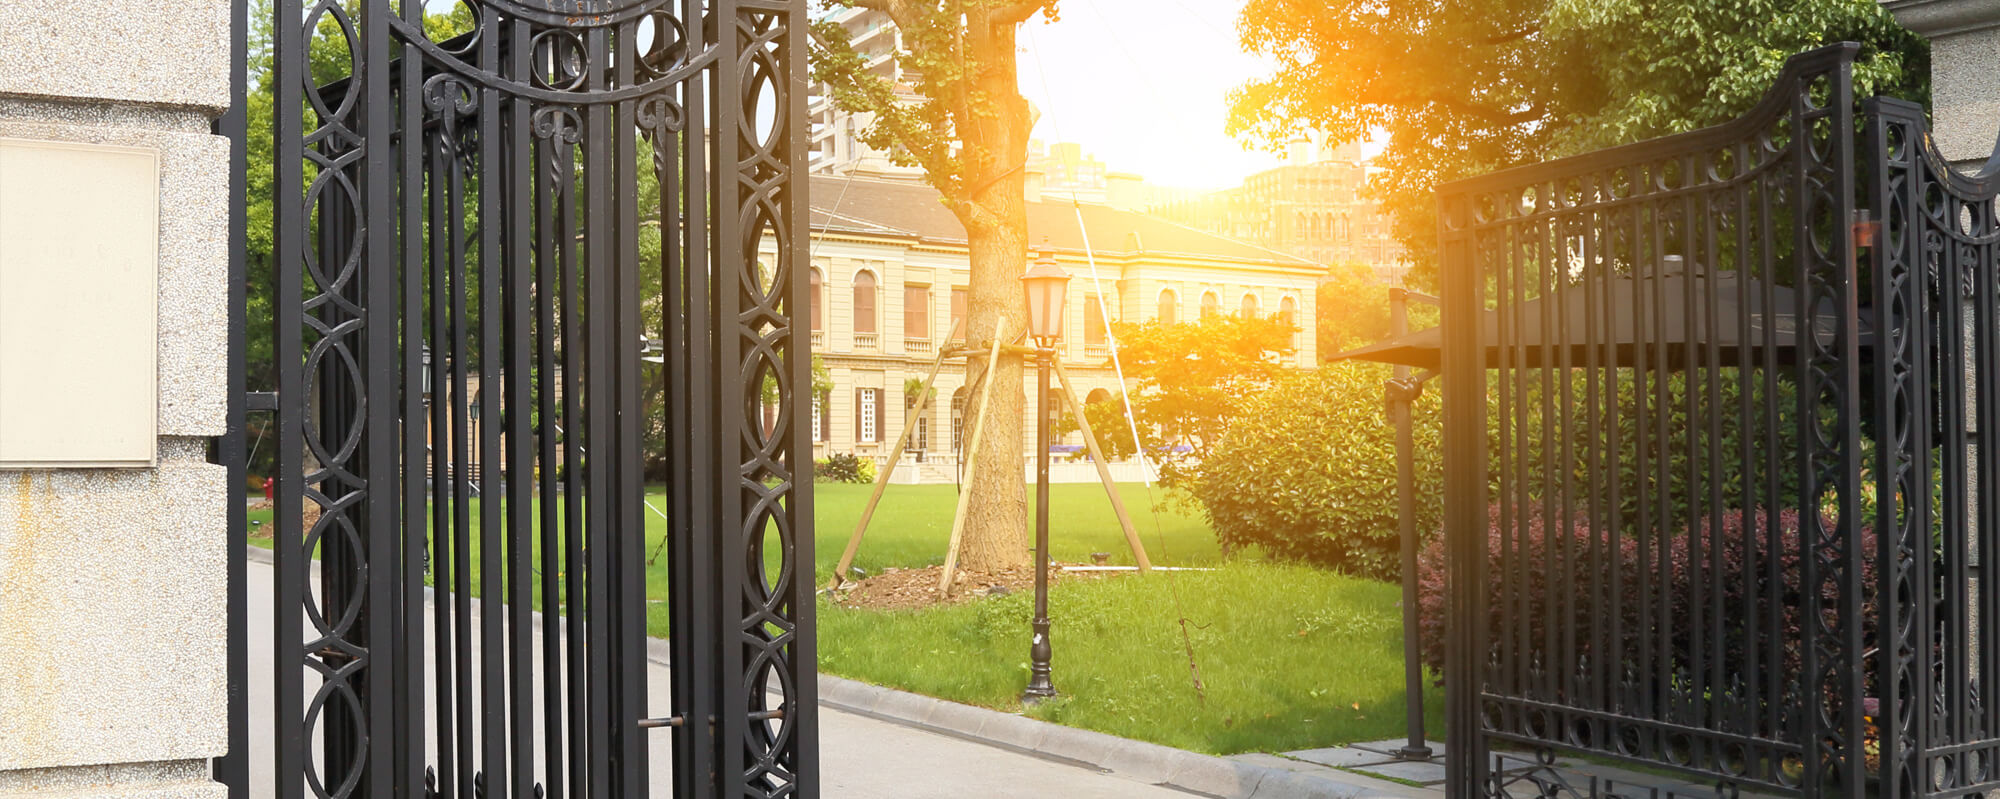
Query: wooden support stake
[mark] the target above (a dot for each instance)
(971, 463)
(1104, 473)
(882, 478)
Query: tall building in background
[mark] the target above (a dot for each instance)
(836, 146)
(1311, 207)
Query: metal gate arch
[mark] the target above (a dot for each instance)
(1787, 327)
(466, 346)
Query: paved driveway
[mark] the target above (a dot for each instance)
(861, 757)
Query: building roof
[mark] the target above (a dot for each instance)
(888, 208)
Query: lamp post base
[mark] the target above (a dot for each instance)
(1415, 753)
(1040, 687)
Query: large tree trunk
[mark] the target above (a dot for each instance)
(996, 225)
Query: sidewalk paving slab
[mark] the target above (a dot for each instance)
(1342, 756)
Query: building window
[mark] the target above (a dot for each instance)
(864, 302)
(1093, 322)
(1169, 305)
(958, 421)
(1249, 306)
(868, 415)
(922, 439)
(917, 312)
(819, 417)
(1209, 304)
(813, 285)
(958, 312)
(1288, 311)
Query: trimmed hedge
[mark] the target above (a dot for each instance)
(844, 467)
(1308, 472)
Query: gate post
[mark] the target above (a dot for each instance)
(114, 648)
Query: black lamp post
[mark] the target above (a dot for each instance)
(1046, 285)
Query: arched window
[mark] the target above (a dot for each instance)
(864, 301)
(1097, 395)
(1169, 307)
(814, 284)
(1210, 305)
(1288, 312)
(1249, 306)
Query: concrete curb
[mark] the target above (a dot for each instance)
(1206, 775)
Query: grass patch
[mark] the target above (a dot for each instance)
(913, 524)
(1292, 657)
(911, 527)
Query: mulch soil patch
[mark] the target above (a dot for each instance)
(913, 589)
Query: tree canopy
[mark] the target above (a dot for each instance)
(1463, 88)
(1192, 380)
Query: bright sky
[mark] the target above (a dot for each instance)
(1143, 85)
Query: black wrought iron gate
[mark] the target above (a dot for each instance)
(1722, 512)
(520, 266)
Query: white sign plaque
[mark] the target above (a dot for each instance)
(79, 327)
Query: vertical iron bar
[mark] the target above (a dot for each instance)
(1654, 263)
(601, 414)
(493, 216)
(459, 271)
(1847, 338)
(1744, 354)
(549, 233)
(443, 465)
(377, 398)
(1596, 406)
(1891, 330)
(233, 769)
(696, 566)
(515, 414)
(418, 382)
(289, 239)
(1776, 459)
(629, 524)
(1557, 246)
(574, 467)
(1545, 555)
(1465, 518)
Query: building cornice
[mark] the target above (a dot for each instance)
(1933, 19)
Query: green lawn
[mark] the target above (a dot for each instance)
(1291, 657)
(912, 527)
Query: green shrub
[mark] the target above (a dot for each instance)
(1659, 422)
(1308, 472)
(844, 467)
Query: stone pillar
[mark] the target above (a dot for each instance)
(1965, 57)
(113, 641)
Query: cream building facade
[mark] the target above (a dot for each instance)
(889, 270)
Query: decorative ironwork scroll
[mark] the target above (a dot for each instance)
(1934, 256)
(526, 250)
(1655, 518)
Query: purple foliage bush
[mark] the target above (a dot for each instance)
(1759, 563)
